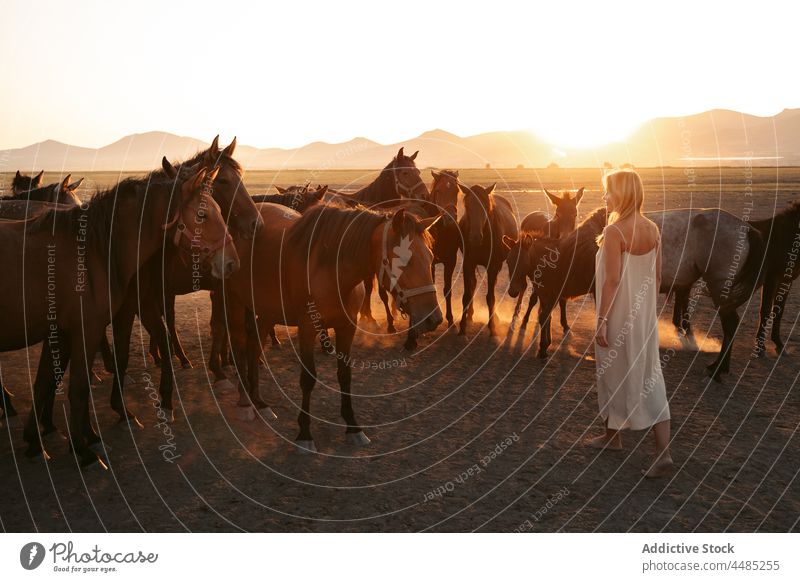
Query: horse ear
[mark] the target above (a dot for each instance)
(508, 242)
(578, 196)
(491, 188)
(553, 198)
(228, 151)
(464, 188)
(455, 173)
(65, 183)
(75, 185)
(426, 223)
(170, 170)
(280, 190)
(527, 240)
(320, 192)
(194, 183)
(414, 155)
(212, 175)
(18, 175)
(398, 220)
(37, 180)
(435, 174)
(400, 153)
(214, 149)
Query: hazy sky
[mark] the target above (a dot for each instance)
(285, 74)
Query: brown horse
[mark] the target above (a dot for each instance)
(298, 198)
(66, 275)
(540, 225)
(308, 271)
(167, 274)
(781, 234)
(487, 219)
(442, 201)
(57, 193)
(22, 183)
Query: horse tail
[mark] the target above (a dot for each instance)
(751, 275)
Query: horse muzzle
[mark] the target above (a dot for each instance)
(224, 264)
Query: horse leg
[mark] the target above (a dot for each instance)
(8, 407)
(236, 320)
(492, 282)
(365, 312)
(82, 435)
(780, 304)
(150, 316)
(531, 302)
(108, 356)
(344, 341)
(253, 354)
(545, 311)
(218, 335)
(308, 377)
(466, 300)
(730, 321)
(154, 353)
(562, 305)
(40, 419)
(121, 328)
(768, 310)
(449, 267)
(175, 340)
(389, 318)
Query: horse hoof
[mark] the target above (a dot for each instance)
(100, 447)
(92, 462)
(266, 413)
(130, 422)
(35, 455)
(306, 447)
(357, 438)
(245, 413)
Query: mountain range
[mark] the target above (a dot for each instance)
(716, 137)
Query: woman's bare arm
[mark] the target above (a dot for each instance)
(612, 265)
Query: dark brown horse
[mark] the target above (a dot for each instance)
(22, 183)
(76, 275)
(557, 268)
(298, 198)
(167, 274)
(308, 271)
(57, 193)
(782, 236)
(540, 225)
(487, 218)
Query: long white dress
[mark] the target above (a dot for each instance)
(630, 385)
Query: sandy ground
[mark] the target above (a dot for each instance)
(467, 434)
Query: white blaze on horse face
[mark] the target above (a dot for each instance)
(402, 257)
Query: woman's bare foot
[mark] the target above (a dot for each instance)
(606, 443)
(661, 467)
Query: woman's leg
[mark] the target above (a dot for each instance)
(611, 440)
(662, 462)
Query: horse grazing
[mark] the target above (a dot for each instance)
(297, 198)
(540, 225)
(22, 183)
(487, 219)
(73, 275)
(57, 193)
(781, 233)
(307, 271)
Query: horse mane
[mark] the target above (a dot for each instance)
(223, 159)
(584, 237)
(779, 232)
(335, 232)
(372, 192)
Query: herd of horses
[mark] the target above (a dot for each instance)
(309, 258)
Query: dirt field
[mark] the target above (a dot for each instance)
(467, 433)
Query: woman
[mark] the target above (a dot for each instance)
(630, 385)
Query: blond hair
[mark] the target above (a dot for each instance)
(627, 185)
